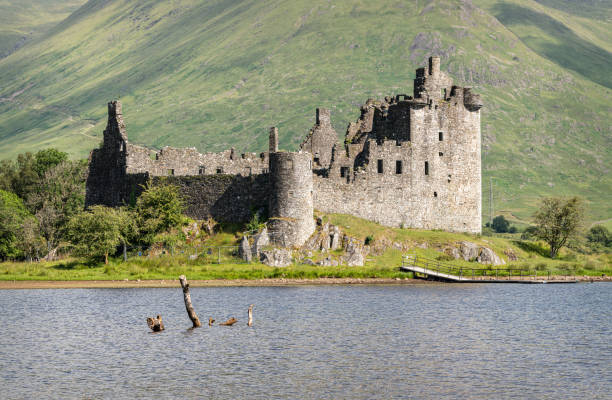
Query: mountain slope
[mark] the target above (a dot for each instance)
(218, 74)
(25, 20)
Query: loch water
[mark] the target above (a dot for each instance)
(426, 341)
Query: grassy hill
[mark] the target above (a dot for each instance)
(219, 73)
(26, 20)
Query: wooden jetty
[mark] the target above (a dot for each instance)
(435, 270)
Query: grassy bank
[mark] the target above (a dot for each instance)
(387, 245)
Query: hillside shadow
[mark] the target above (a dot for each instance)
(532, 247)
(573, 53)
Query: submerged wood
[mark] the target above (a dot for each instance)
(229, 322)
(190, 311)
(250, 323)
(156, 324)
(210, 321)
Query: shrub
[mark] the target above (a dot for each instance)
(500, 224)
(369, 240)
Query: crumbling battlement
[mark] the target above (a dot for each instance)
(411, 161)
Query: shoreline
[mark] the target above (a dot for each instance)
(174, 283)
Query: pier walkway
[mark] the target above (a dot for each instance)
(435, 270)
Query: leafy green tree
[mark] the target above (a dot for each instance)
(58, 196)
(12, 215)
(25, 176)
(46, 159)
(95, 232)
(558, 220)
(128, 228)
(159, 209)
(500, 224)
(599, 236)
(29, 240)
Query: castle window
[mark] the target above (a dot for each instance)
(201, 171)
(380, 166)
(316, 160)
(398, 167)
(344, 172)
(219, 170)
(440, 154)
(440, 136)
(170, 172)
(435, 194)
(426, 168)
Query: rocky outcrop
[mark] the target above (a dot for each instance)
(354, 253)
(259, 241)
(328, 262)
(326, 237)
(473, 252)
(244, 251)
(488, 256)
(276, 257)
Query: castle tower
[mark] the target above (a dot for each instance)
(291, 201)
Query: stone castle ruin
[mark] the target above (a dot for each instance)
(408, 161)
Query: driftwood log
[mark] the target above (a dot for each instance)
(210, 321)
(250, 323)
(156, 324)
(190, 311)
(229, 322)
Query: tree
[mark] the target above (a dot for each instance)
(46, 159)
(95, 232)
(500, 224)
(29, 240)
(558, 220)
(599, 236)
(12, 215)
(159, 208)
(58, 196)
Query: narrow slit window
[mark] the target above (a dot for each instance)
(398, 167)
(219, 170)
(440, 136)
(435, 194)
(440, 154)
(380, 166)
(426, 168)
(344, 172)
(202, 171)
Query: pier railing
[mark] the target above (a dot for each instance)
(439, 269)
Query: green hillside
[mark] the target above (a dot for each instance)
(26, 20)
(218, 74)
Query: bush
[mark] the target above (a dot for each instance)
(369, 240)
(599, 236)
(500, 224)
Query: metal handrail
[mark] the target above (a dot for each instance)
(460, 271)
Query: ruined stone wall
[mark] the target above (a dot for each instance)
(229, 198)
(188, 161)
(291, 198)
(321, 139)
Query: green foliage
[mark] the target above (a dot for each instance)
(46, 159)
(255, 224)
(500, 224)
(369, 240)
(159, 209)
(599, 238)
(98, 231)
(558, 220)
(12, 215)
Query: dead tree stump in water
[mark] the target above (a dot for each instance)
(250, 323)
(190, 311)
(229, 322)
(155, 324)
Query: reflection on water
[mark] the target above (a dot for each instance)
(425, 341)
